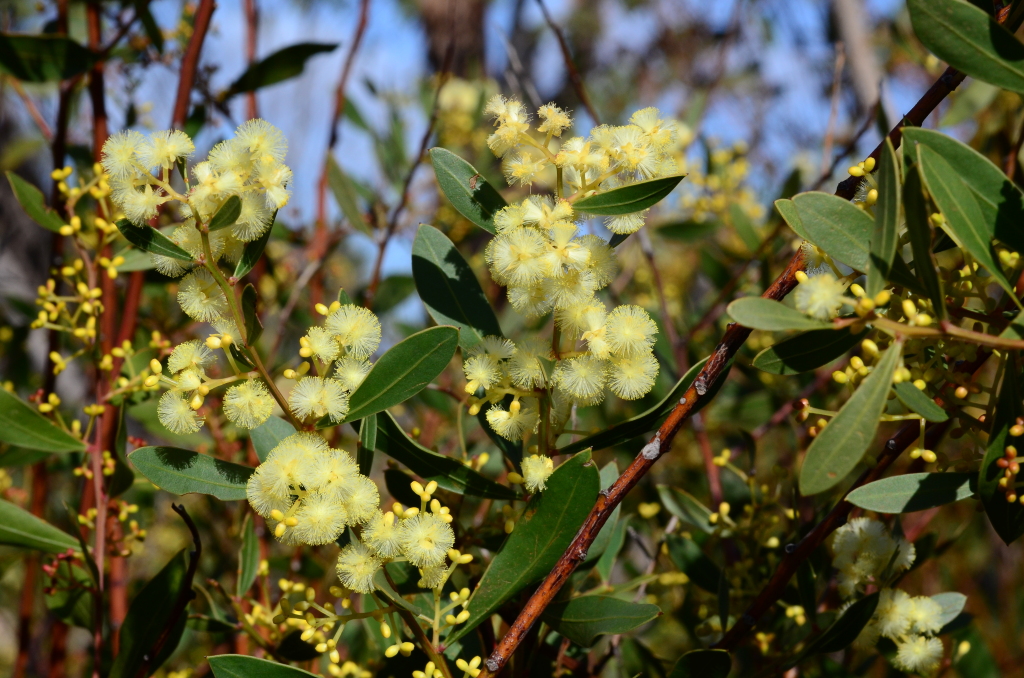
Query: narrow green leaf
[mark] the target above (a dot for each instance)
(467, 190)
(970, 40)
(404, 371)
(267, 435)
(744, 227)
(1007, 518)
(952, 604)
(920, 231)
(628, 199)
(150, 25)
(148, 616)
(252, 251)
(281, 65)
(18, 527)
(1001, 201)
(122, 479)
(32, 201)
(843, 630)
(14, 457)
(253, 326)
(450, 473)
(449, 288)
(913, 492)
(964, 221)
(689, 558)
(22, 425)
(151, 240)
(607, 560)
(886, 233)
(807, 588)
(367, 444)
(968, 101)
(647, 420)
(584, 618)
(608, 474)
(74, 603)
(345, 195)
(918, 402)
(686, 508)
(248, 558)
(392, 291)
(767, 314)
(702, 664)
(836, 226)
(227, 215)
(807, 352)
(842, 443)
(184, 472)
(791, 215)
(134, 260)
(546, 529)
(43, 58)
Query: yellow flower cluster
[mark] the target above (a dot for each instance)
(912, 622)
(864, 551)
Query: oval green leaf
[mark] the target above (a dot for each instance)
(628, 199)
(844, 630)
(886, 234)
(184, 472)
(151, 240)
(449, 288)
(842, 443)
(253, 326)
(547, 527)
(952, 604)
(584, 618)
(367, 444)
(346, 196)
(806, 352)
(243, 666)
(403, 371)
(919, 403)
(791, 215)
(43, 58)
(837, 227)
(227, 215)
(913, 492)
(702, 664)
(252, 251)
(23, 426)
(18, 527)
(758, 313)
(920, 231)
(1007, 518)
(686, 508)
(281, 65)
(32, 201)
(248, 558)
(467, 190)
(968, 39)
(450, 473)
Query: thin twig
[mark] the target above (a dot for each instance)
(190, 62)
(32, 109)
(252, 29)
(570, 65)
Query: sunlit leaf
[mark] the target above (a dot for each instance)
(151, 240)
(918, 402)
(184, 472)
(628, 199)
(227, 215)
(267, 435)
(252, 251)
(758, 313)
(888, 215)
(467, 190)
(281, 65)
(18, 527)
(32, 201)
(23, 426)
(913, 492)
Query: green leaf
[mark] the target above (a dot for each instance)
(367, 443)
(14, 457)
(807, 588)
(758, 313)
(843, 630)
(584, 618)
(744, 227)
(807, 352)
(18, 527)
(122, 479)
(467, 190)
(242, 666)
(886, 233)
(150, 25)
(542, 534)
(392, 291)
(74, 600)
(842, 443)
(32, 201)
(964, 221)
(345, 195)
(151, 240)
(647, 420)
(147, 618)
(1000, 200)
(978, 662)
(970, 40)
(918, 402)
(913, 492)
(608, 474)
(952, 604)
(281, 65)
(686, 508)
(607, 560)
(968, 101)
(702, 664)
(791, 215)
(1007, 518)
(450, 473)
(252, 251)
(688, 557)
(267, 435)
(248, 558)
(22, 425)
(184, 472)
(43, 58)
(253, 326)
(227, 215)
(920, 231)
(449, 288)
(403, 371)
(837, 227)
(628, 199)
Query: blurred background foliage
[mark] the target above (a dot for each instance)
(777, 96)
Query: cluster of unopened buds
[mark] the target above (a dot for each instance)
(54, 571)
(1011, 466)
(98, 187)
